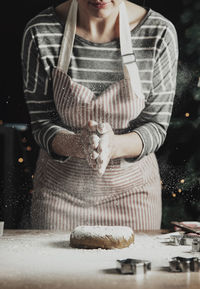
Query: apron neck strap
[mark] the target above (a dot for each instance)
(130, 68)
(68, 37)
(70, 31)
(124, 32)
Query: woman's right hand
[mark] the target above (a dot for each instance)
(97, 141)
(83, 145)
(89, 143)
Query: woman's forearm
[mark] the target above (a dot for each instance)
(65, 144)
(127, 146)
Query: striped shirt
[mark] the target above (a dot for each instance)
(97, 66)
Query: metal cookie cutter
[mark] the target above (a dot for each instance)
(196, 245)
(176, 240)
(188, 239)
(184, 240)
(181, 264)
(133, 266)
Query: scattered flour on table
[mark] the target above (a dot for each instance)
(51, 255)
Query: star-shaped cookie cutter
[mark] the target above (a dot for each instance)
(182, 264)
(133, 266)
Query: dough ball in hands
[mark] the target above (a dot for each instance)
(105, 237)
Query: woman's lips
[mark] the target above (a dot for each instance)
(99, 5)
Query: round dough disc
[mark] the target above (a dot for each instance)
(105, 237)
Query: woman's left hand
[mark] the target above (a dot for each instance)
(105, 146)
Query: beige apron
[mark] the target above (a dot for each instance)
(70, 194)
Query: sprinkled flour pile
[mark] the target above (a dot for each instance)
(116, 232)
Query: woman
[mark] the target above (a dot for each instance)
(99, 81)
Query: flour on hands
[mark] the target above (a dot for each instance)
(96, 139)
(105, 146)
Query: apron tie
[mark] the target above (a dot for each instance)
(130, 69)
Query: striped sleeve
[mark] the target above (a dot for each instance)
(153, 122)
(45, 121)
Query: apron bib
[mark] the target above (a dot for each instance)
(71, 193)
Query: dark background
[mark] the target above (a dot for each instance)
(16, 140)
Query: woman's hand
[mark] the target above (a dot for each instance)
(97, 141)
(98, 144)
(105, 147)
(82, 145)
(90, 142)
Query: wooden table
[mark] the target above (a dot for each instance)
(44, 259)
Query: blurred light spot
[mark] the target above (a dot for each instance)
(182, 181)
(187, 114)
(29, 148)
(173, 195)
(20, 160)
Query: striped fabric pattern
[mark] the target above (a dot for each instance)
(70, 194)
(73, 99)
(134, 210)
(97, 66)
